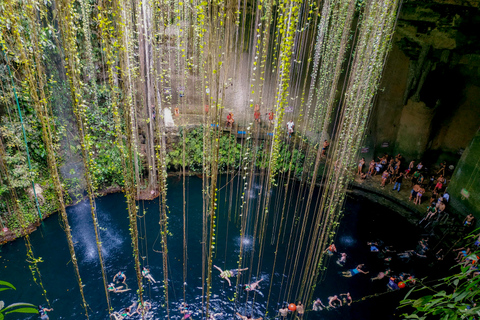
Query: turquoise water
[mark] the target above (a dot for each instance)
(363, 221)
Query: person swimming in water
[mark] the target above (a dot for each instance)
(229, 273)
(247, 317)
(112, 288)
(342, 260)
(318, 305)
(147, 275)
(43, 312)
(331, 249)
(381, 275)
(352, 272)
(124, 313)
(347, 299)
(253, 287)
(120, 277)
(332, 300)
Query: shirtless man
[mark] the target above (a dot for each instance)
(413, 193)
(332, 300)
(318, 305)
(440, 206)
(300, 309)
(284, 312)
(248, 317)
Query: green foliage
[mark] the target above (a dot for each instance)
(19, 307)
(453, 297)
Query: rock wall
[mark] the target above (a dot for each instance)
(465, 185)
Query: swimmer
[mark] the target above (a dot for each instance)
(120, 277)
(300, 309)
(213, 316)
(347, 299)
(248, 317)
(43, 312)
(392, 285)
(143, 309)
(252, 286)
(381, 275)
(331, 249)
(318, 305)
(112, 288)
(284, 312)
(229, 273)
(352, 272)
(468, 220)
(343, 259)
(124, 313)
(147, 275)
(332, 300)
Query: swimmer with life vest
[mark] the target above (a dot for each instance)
(229, 273)
(120, 277)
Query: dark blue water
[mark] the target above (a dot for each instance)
(363, 221)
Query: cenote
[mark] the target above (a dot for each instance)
(363, 221)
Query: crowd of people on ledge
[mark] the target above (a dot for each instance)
(425, 185)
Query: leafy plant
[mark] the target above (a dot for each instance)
(19, 307)
(452, 297)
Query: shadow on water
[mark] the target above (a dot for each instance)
(363, 221)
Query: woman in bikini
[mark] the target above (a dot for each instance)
(229, 273)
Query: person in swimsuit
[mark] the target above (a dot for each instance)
(123, 314)
(147, 275)
(410, 168)
(318, 305)
(253, 287)
(300, 310)
(431, 211)
(334, 299)
(120, 277)
(462, 255)
(43, 312)
(413, 193)
(247, 317)
(342, 260)
(360, 165)
(419, 166)
(284, 312)
(381, 275)
(347, 299)
(112, 288)
(392, 285)
(143, 309)
(371, 168)
(468, 220)
(331, 249)
(385, 176)
(440, 182)
(352, 272)
(229, 273)
(418, 198)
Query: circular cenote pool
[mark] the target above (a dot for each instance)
(363, 221)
